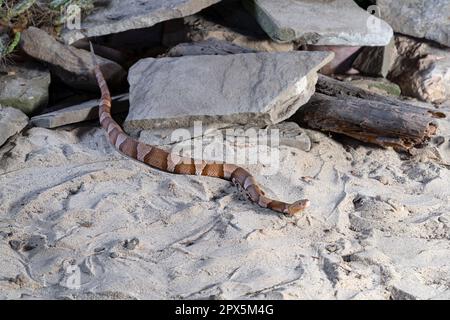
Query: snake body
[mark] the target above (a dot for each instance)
(173, 163)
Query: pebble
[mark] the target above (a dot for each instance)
(131, 244)
(331, 247)
(15, 245)
(443, 219)
(439, 141)
(34, 242)
(5, 235)
(113, 255)
(18, 280)
(383, 179)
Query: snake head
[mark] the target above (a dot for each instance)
(297, 207)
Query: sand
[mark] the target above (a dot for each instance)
(80, 221)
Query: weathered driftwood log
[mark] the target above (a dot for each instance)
(400, 125)
(336, 88)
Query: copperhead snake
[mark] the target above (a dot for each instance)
(173, 163)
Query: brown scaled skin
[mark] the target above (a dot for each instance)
(172, 163)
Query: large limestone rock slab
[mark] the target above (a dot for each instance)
(252, 88)
(24, 87)
(119, 16)
(321, 22)
(73, 66)
(12, 121)
(429, 19)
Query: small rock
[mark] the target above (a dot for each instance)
(357, 173)
(34, 242)
(292, 135)
(398, 294)
(331, 268)
(383, 179)
(320, 22)
(86, 224)
(19, 280)
(439, 141)
(426, 154)
(16, 245)
(131, 244)
(5, 235)
(411, 289)
(73, 66)
(113, 255)
(12, 121)
(443, 219)
(24, 87)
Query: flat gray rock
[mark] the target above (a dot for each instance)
(78, 113)
(119, 16)
(320, 22)
(252, 88)
(24, 87)
(206, 47)
(290, 133)
(12, 121)
(429, 19)
(411, 289)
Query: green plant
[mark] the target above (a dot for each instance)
(13, 44)
(19, 8)
(17, 15)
